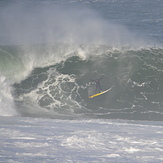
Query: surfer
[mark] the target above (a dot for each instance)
(98, 85)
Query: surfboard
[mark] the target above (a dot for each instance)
(100, 93)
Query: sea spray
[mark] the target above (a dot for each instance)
(81, 45)
(58, 23)
(7, 107)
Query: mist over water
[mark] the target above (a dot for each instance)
(27, 23)
(49, 53)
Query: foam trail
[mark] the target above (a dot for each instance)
(6, 99)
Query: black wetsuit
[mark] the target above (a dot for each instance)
(98, 85)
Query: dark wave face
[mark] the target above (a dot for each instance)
(62, 90)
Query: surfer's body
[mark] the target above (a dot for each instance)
(98, 85)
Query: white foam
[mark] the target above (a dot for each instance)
(6, 99)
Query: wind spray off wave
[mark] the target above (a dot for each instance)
(58, 23)
(7, 106)
(62, 48)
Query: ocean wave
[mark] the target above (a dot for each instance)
(61, 89)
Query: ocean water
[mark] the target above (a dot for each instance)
(50, 51)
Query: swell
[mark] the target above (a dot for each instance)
(61, 90)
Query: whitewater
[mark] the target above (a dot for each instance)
(50, 51)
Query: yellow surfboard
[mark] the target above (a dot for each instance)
(100, 93)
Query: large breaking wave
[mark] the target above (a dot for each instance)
(61, 90)
(61, 50)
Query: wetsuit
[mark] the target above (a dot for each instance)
(98, 85)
